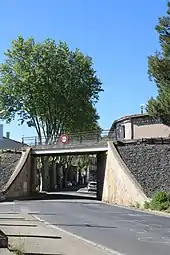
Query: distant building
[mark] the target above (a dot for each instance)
(138, 126)
(6, 142)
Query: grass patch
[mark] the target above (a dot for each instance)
(137, 205)
(18, 252)
(17, 246)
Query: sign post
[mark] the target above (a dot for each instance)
(64, 139)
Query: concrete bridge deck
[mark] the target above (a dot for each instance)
(69, 151)
(89, 148)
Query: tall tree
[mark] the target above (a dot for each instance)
(50, 87)
(159, 72)
(82, 165)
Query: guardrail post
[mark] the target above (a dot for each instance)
(39, 142)
(81, 139)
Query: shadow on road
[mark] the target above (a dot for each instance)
(47, 196)
(83, 225)
(72, 188)
(34, 253)
(35, 236)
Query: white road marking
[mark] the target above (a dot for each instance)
(7, 203)
(122, 220)
(142, 232)
(80, 238)
(149, 239)
(135, 215)
(156, 225)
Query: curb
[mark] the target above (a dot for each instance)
(3, 240)
(157, 213)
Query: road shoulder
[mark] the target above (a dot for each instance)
(158, 213)
(29, 234)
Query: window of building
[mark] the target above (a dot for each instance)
(121, 132)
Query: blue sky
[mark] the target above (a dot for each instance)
(118, 35)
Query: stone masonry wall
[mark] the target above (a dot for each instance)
(22, 181)
(19, 184)
(8, 162)
(149, 164)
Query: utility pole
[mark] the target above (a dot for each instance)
(142, 108)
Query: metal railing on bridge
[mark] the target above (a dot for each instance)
(72, 139)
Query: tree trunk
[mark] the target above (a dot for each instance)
(65, 171)
(79, 177)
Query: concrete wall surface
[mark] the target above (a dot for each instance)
(152, 130)
(120, 186)
(146, 130)
(128, 130)
(20, 183)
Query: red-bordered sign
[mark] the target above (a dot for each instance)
(64, 139)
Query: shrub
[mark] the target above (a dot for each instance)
(160, 201)
(137, 205)
(146, 205)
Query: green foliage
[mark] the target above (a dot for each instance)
(137, 205)
(83, 162)
(50, 87)
(160, 202)
(159, 72)
(18, 252)
(146, 205)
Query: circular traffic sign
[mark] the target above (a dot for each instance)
(64, 139)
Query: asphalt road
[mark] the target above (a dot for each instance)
(126, 231)
(85, 191)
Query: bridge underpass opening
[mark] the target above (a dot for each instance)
(71, 172)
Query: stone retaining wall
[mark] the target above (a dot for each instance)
(8, 162)
(18, 174)
(120, 186)
(149, 164)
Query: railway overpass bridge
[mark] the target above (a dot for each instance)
(74, 144)
(114, 183)
(32, 150)
(100, 150)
